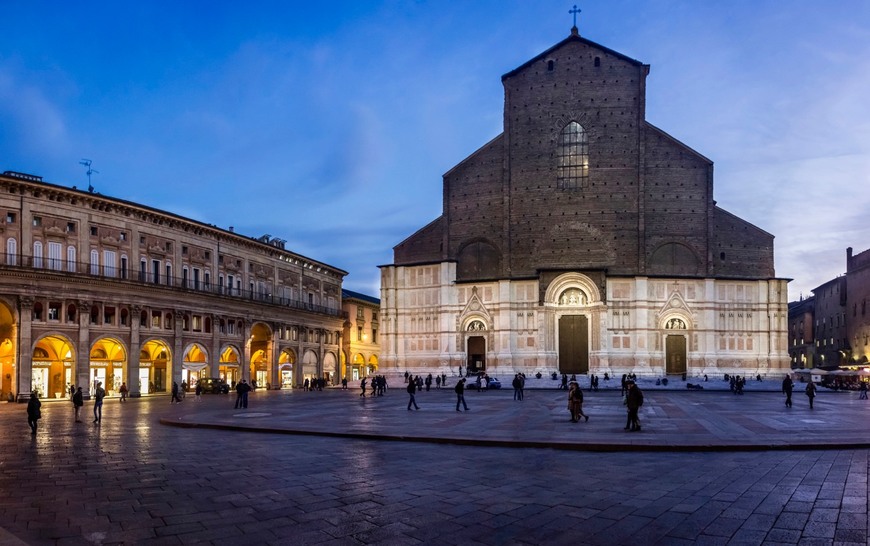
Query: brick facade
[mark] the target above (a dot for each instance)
(636, 204)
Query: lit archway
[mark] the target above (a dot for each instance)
(193, 366)
(229, 365)
(373, 365)
(309, 364)
(358, 367)
(8, 350)
(286, 363)
(155, 367)
(108, 362)
(261, 351)
(52, 366)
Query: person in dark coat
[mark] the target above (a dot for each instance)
(175, 399)
(633, 401)
(412, 389)
(459, 389)
(240, 392)
(787, 388)
(516, 385)
(33, 412)
(246, 388)
(99, 394)
(78, 403)
(811, 392)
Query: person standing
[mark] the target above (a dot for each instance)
(459, 389)
(78, 402)
(240, 389)
(516, 385)
(99, 394)
(412, 389)
(633, 401)
(123, 391)
(246, 388)
(175, 399)
(34, 414)
(198, 391)
(344, 383)
(787, 388)
(811, 392)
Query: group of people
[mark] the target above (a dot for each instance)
(314, 383)
(379, 385)
(788, 388)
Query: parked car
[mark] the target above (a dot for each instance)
(494, 383)
(214, 385)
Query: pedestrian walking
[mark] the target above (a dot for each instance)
(863, 389)
(175, 399)
(198, 391)
(34, 414)
(78, 401)
(811, 392)
(575, 402)
(123, 391)
(99, 394)
(246, 388)
(787, 388)
(362, 387)
(459, 389)
(633, 402)
(412, 389)
(516, 385)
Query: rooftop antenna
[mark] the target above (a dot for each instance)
(87, 163)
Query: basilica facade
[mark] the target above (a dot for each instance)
(583, 240)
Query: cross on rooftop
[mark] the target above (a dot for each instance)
(574, 11)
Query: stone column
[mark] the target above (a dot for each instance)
(133, 357)
(24, 368)
(214, 358)
(177, 349)
(274, 374)
(246, 357)
(83, 350)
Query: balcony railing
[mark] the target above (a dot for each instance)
(150, 278)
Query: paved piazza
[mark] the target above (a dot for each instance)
(480, 477)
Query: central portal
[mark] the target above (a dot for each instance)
(675, 354)
(574, 344)
(476, 355)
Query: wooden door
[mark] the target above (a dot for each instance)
(574, 344)
(476, 355)
(675, 354)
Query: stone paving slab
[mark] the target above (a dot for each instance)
(671, 420)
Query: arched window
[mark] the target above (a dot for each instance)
(573, 156)
(71, 259)
(11, 252)
(37, 254)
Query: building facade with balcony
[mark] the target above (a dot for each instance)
(857, 312)
(360, 355)
(98, 289)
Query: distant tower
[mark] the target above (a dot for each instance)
(87, 163)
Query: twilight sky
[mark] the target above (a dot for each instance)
(330, 124)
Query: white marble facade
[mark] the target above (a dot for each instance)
(727, 326)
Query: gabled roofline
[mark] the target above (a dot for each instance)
(472, 154)
(440, 217)
(351, 295)
(571, 38)
(720, 209)
(678, 142)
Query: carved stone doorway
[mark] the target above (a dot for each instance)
(675, 354)
(476, 355)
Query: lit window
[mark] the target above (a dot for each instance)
(573, 155)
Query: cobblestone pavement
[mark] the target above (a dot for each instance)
(133, 480)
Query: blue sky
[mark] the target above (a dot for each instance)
(330, 124)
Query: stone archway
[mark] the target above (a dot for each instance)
(8, 352)
(53, 366)
(155, 367)
(261, 353)
(286, 365)
(193, 365)
(108, 364)
(229, 365)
